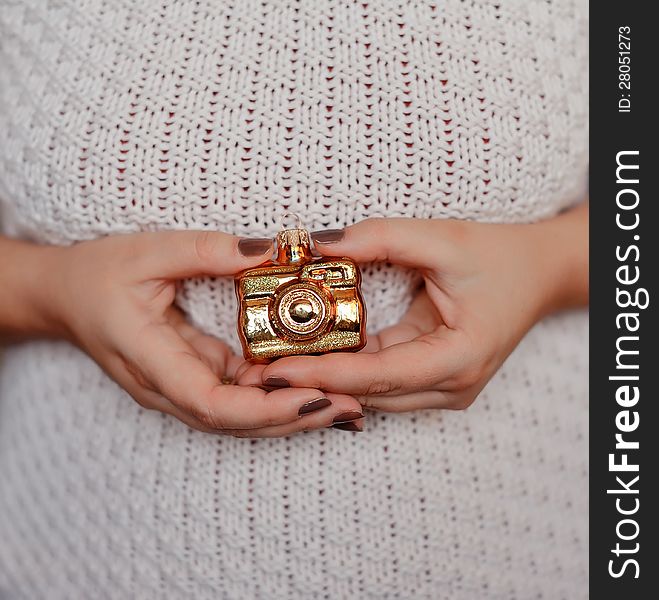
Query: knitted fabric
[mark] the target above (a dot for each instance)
(120, 116)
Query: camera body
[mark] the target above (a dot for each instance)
(300, 305)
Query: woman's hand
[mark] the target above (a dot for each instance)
(485, 287)
(114, 297)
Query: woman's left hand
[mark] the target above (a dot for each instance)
(485, 287)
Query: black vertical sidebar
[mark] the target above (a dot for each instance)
(624, 63)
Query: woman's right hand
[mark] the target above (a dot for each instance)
(114, 298)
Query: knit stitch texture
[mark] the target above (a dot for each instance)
(120, 116)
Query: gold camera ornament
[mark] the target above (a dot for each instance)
(299, 304)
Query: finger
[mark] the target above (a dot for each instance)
(215, 353)
(411, 402)
(234, 363)
(403, 368)
(250, 374)
(173, 369)
(408, 242)
(421, 318)
(341, 405)
(179, 254)
(244, 367)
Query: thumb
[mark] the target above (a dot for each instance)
(178, 254)
(407, 242)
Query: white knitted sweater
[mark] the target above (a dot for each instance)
(120, 116)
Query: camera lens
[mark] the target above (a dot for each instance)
(301, 311)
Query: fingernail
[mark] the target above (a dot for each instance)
(253, 246)
(313, 405)
(276, 382)
(327, 236)
(346, 417)
(350, 426)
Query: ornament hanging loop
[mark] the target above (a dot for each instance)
(293, 243)
(287, 217)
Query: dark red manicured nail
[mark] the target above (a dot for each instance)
(313, 405)
(254, 246)
(349, 426)
(327, 236)
(346, 417)
(276, 382)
